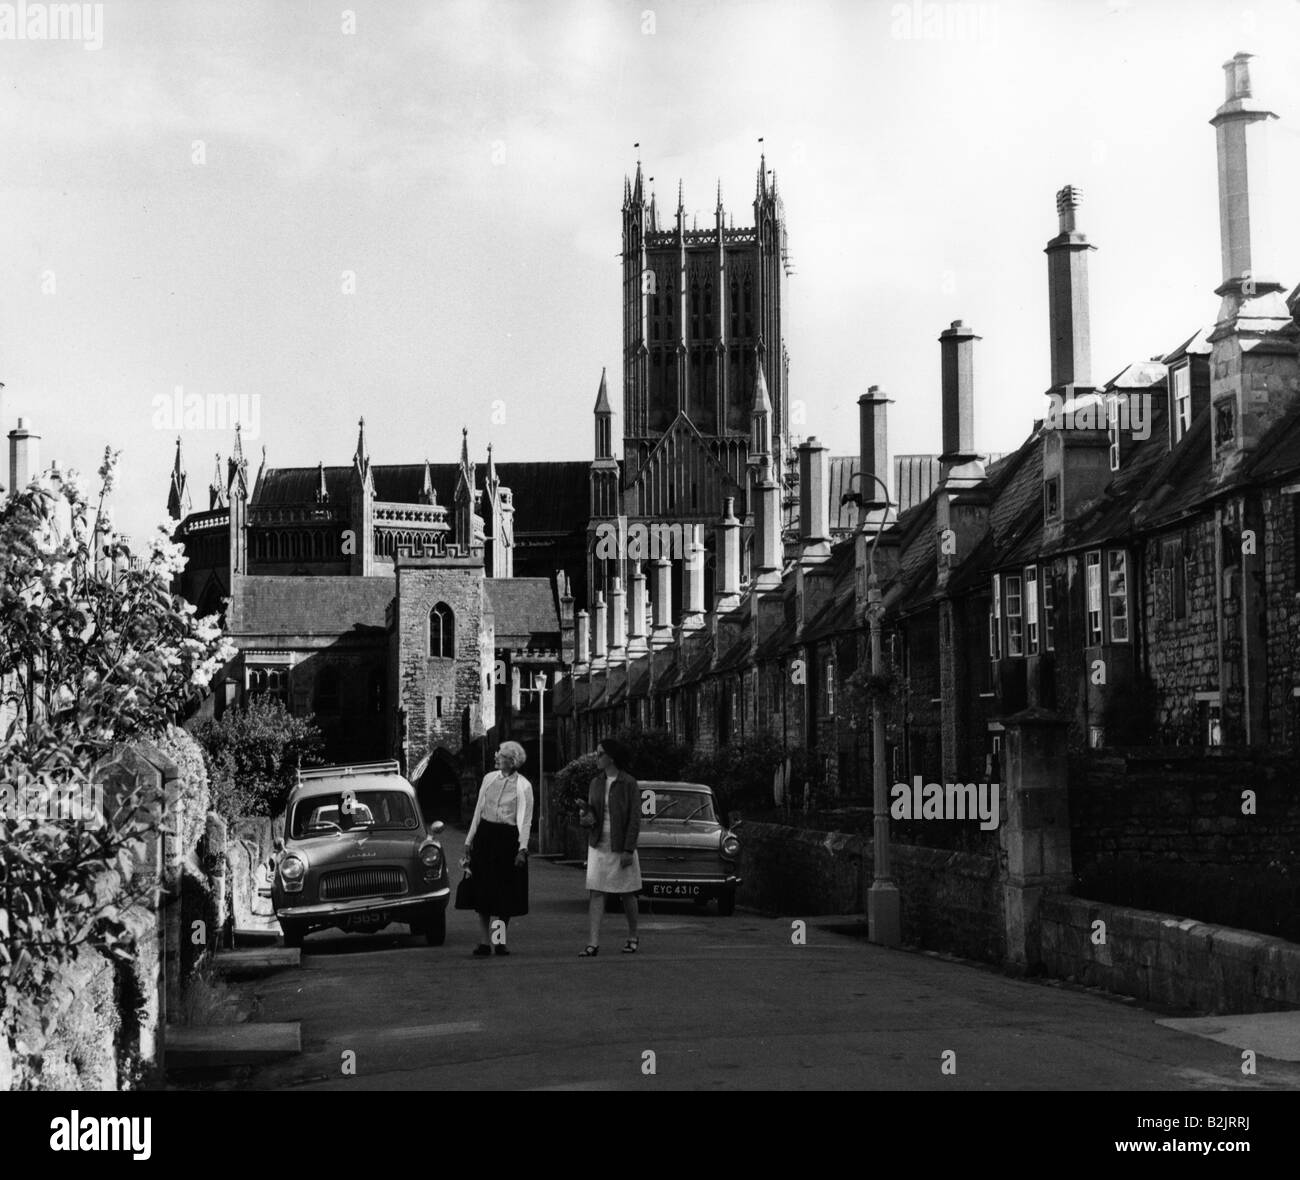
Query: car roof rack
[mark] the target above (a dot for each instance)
(348, 770)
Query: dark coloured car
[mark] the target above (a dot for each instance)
(686, 853)
(358, 856)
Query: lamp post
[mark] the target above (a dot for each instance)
(539, 687)
(883, 908)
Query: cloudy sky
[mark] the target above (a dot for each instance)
(184, 205)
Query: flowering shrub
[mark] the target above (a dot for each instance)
(94, 651)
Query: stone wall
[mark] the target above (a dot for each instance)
(951, 901)
(1167, 960)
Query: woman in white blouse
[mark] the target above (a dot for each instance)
(496, 847)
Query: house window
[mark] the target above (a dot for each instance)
(995, 620)
(1031, 609)
(1015, 618)
(1049, 611)
(1096, 736)
(1112, 429)
(1213, 726)
(1052, 498)
(442, 632)
(1182, 380)
(437, 708)
(1093, 561)
(830, 690)
(1117, 593)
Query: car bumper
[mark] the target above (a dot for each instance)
(327, 911)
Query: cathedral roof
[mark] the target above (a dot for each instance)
(550, 497)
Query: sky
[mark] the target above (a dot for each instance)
(411, 211)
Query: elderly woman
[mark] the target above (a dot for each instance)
(613, 816)
(496, 847)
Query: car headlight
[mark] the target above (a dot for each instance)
(730, 846)
(292, 870)
(431, 856)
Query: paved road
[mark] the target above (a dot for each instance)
(721, 1003)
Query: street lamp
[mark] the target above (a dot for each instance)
(539, 687)
(883, 905)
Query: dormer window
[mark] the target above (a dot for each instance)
(1112, 429)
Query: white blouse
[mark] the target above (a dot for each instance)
(504, 799)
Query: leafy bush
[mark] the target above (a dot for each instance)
(740, 774)
(652, 754)
(253, 753)
(94, 651)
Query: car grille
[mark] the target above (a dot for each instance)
(352, 883)
(679, 865)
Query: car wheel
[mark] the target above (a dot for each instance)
(727, 904)
(293, 935)
(435, 933)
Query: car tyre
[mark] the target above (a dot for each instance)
(727, 904)
(435, 933)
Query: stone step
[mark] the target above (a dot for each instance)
(216, 1045)
(256, 961)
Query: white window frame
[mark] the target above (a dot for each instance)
(1120, 619)
(1092, 565)
(1015, 616)
(1180, 384)
(1049, 611)
(1031, 610)
(995, 621)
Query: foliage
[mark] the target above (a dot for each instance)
(253, 753)
(652, 754)
(740, 774)
(94, 651)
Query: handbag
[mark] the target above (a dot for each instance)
(467, 892)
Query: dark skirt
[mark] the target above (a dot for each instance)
(500, 889)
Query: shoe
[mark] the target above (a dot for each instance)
(629, 947)
(501, 949)
(482, 951)
(590, 953)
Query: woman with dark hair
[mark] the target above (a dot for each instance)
(496, 847)
(613, 816)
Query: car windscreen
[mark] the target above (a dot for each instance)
(664, 803)
(352, 810)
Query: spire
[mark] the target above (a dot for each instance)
(638, 185)
(681, 199)
(178, 498)
(322, 492)
(604, 416)
(359, 457)
(719, 194)
(428, 495)
(760, 188)
(465, 464)
(217, 488)
(237, 467)
(762, 400)
(602, 396)
(492, 477)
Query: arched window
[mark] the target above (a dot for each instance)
(327, 692)
(442, 632)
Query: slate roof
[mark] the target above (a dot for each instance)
(315, 605)
(524, 609)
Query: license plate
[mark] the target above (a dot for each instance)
(674, 891)
(368, 921)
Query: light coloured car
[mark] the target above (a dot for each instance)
(686, 853)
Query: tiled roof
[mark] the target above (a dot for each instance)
(311, 605)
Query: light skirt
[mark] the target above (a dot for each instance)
(605, 873)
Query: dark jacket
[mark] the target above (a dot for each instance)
(624, 811)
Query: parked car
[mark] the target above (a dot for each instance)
(686, 853)
(357, 855)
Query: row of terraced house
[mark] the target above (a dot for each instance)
(1131, 567)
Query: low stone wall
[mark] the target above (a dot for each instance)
(951, 901)
(1169, 960)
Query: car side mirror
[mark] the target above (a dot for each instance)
(436, 827)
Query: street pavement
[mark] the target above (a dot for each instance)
(708, 1003)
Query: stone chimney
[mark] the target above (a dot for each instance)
(726, 590)
(617, 622)
(661, 634)
(599, 634)
(959, 464)
(1068, 314)
(636, 637)
(873, 451)
(1253, 363)
(814, 508)
(582, 657)
(693, 608)
(24, 455)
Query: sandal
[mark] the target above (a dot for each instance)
(590, 953)
(482, 951)
(629, 947)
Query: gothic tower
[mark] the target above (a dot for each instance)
(701, 320)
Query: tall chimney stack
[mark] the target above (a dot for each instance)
(957, 374)
(582, 657)
(24, 455)
(726, 590)
(1068, 313)
(873, 448)
(814, 507)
